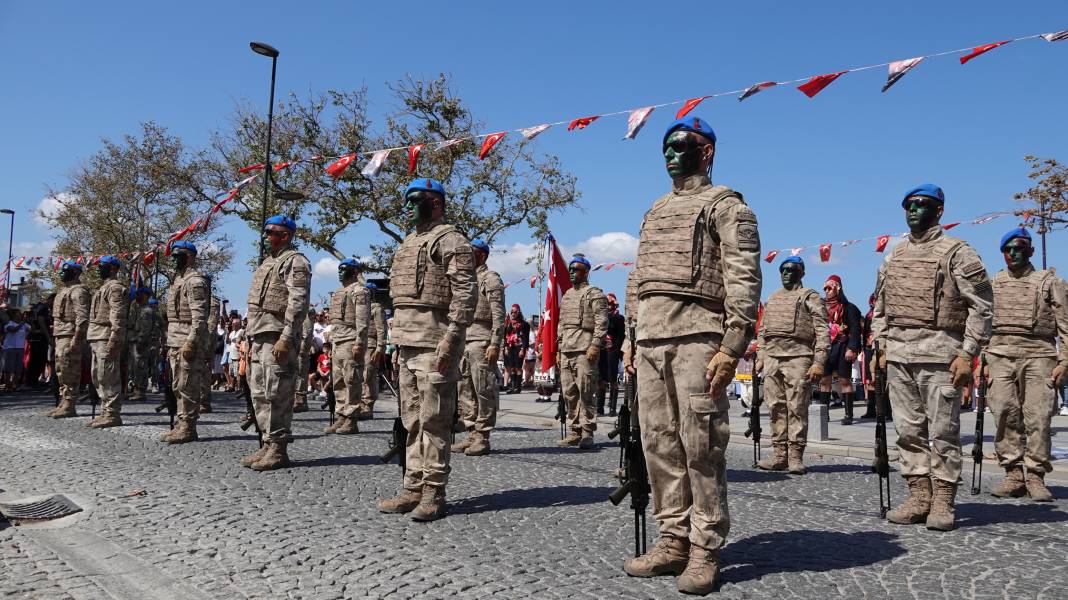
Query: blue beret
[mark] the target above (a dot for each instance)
(70, 264)
(694, 124)
(425, 184)
(793, 259)
(110, 260)
(481, 245)
(350, 263)
(370, 286)
(580, 259)
(184, 245)
(282, 220)
(1019, 232)
(929, 190)
(152, 302)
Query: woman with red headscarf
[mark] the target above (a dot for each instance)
(516, 340)
(846, 323)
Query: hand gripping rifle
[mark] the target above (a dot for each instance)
(754, 418)
(561, 406)
(398, 442)
(633, 474)
(331, 400)
(882, 460)
(170, 401)
(980, 417)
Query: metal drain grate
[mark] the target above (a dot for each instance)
(52, 507)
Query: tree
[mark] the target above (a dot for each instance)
(1049, 198)
(512, 187)
(133, 194)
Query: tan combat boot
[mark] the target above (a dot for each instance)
(366, 411)
(52, 411)
(348, 425)
(185, 432)
(795, 462)
(916, 507)
(700, 574)
(205, 408)
(255, 457)
(300, 403)
(1036, 487)
(106, 421)
(480, 446)
(65, 410)
(464, 444)
(572, 439)
(943, 506)
(777, 460)
(431, 505)
(332, 427)
(275, 458)
(1012, 486)
(668, 557)
(166, 435)
(401, 503)
(586, 441)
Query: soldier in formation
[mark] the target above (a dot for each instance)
(792, 347)
(188, 305)
(1030, 314)
(108, 312)
(148, 338)
(304, 354)
(932, 317)
(376, 351)
(70, 326)
(582, 329)
(350, 317)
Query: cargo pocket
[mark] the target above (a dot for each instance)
(949, 393)
(703, 404)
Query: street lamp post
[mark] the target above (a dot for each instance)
(269, 51)
(10, 240)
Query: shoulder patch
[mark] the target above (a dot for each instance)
(748, 234)
(983, 287)
(974, 271)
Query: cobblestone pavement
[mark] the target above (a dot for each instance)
(529, 521)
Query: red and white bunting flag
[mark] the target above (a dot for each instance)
(609, 266)
(557, 283)
(18, 263)
(280, 166)
(150, 258)
(597, 267)
(1056, 36)
(881, 242)
(443, 144)
(899, 68)
(374, 166)
(250, 168)
(815, 85)
(582, 122)
(246, 181)
(847, 243)
(984, 219)
(949, 226)
(489, 142)
(756, 87)
(981, 50)
(796, 251)
(337, 168)
(533, 132)
(770, 256)
(688, 106)
(533, 281)
(636, 121)
(825, 252)
(413, 156)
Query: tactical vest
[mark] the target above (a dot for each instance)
(65, 315)
(178, 309)
(268, 291)
(677, 253)
(919, 290)
(787, 315)
(482, 309)
(415, 278)
(100, 309)
(573, 309)
(341, 313)
(1020, 305)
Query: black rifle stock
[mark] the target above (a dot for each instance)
(330, 404)
(170, 401)
(398, 441)
(633, 473)
(980, 418)
(882, 459)
(755, 430)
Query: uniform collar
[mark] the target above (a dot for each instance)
(1030, 268)
(691, 184)
(929, 235)
(430, 226)
(482, 268)
(282, 251)
(579, 286)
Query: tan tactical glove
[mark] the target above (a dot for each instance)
(358, 351)
(628, 357)
(492, 352)
(281, 350)
(1060, 373)
(376, 357)
(720, 372)
(815, 372)
(592, 353)
(758, 366)
(445, 351)
(189, 350)
(961, 368)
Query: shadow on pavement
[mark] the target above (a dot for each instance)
(755, 476)
(517, 428)
(556, 450)
(805, 550)
(336, 461)
(539, 497)
(977, 515)
(839, 468)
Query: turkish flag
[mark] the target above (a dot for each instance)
(815, 85)
(337, 168)
(250, 168)
(981, 50)
(582, 123)
(558, 282)
(489, 142)
(770, 256)
(688, 106)
(881, 242)
(281, 166)
(825, 252)
(413, 157)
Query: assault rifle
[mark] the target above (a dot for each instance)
(882, 460)
(633, 474)
(754, 419)
(331, 400)
(170, 401)
(561, 413)
(398, 441)
(980, 417)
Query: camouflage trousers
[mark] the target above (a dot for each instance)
(1022, 397)
(68, 368)
(926, 410)
(272, 385)
(347, 375)
(186, 378)
(578, 384)
(427, 401)
(684, 437)
(370, 379)
(478, 398)
(787, 392)
(145, 359)
(107, 378)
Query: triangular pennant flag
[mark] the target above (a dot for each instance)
(533, 280)
(770, 256)
(374, 166)
(280, 166)
(796, 251)
(756, 87)
(688, 106)
(337, 168)
(489, 142)
(149, 259)
(981, 50)
(985, 219)
(847, 243)
(413, 157)
(246, 181)
(1056, 36)
(250, 168)
(597, 267)
(609, 266)
(899, 68)
(949, 226)
(18, 263)
(533, 132)
(816, 84)
(636, 121)
(582, 122)
(443, 144)
(881, 242)
(825, 252)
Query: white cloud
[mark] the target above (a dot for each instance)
(50, 205)
(511, 260)
(40, 248)
(614, 246)
(325, 269)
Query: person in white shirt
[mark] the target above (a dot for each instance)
(15, 332)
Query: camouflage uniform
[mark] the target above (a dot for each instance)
(188, 306)
(70, 325)
(350, 315)
(583, 324)
(148, 334)
(478, 394)
(304, 356)
(376, 342)
(206, 352)
(107, 324)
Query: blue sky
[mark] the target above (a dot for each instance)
(815, 170)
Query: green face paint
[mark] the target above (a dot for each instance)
(682, 154)
(922, 213)
(791, 274)
(419, 207)
(1017, 253)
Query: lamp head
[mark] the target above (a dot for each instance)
(264, 49)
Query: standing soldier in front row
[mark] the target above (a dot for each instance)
(792, 347)
(135, 346)
(350, 316)
(71, 311)
(931, 318)
(277, 308)
(188, 305)
(434, 296)
(107, 327)
(1030, 313)
(376, 350)
(478, 394)
(698, 286)
(583, 326)
(206, 351)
